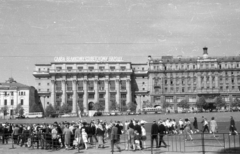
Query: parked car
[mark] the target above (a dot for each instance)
(97, 114)
(20, 117)
(54, 115)
(235, 109)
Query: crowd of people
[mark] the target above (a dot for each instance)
(96, 133)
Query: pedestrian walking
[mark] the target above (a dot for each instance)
(154, 134)
(187, 129)
(67, 137)
(162, 132)
(205, 125)
(144, 136)
(232, 127)
(100, 136)
(213, 126)
(195, 125)
(114, 138)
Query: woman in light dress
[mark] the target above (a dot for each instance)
(67, 136)
(213, 126)
(144, 136)
(187, 130)
(85, 138)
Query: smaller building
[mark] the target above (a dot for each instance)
(12, 94)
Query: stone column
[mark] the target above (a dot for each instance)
(199, 82)
(118, 91)
(53, 94)
(175, 102)
(216, 81)
(210, 81)
(96, 95)
(192, 83)
(235, 82)
(205, 81)
(140, 102)
(74, 104)
(107, 95)
(85, 96)
(63, 92)
(129, 92)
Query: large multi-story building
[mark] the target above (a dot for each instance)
(166, 79)
(173, 79)
(85, 82)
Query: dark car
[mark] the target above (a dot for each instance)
(20, 117)
(54, 115)
(97, 114)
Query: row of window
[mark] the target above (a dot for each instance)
(40, 84)
(189, 81)
(90, 96)
(20, 93)
(189, 89)
(200, 66)
(12, 102)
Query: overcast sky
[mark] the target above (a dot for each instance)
(36, 31)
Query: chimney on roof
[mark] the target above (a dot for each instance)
(205, 52)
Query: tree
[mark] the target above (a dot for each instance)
(132, 106)
(113, 105)
(36, 107)
(19, 110)
(99, 106)
(124, 108)
(165, 105)
(219, 102)
(49, 110)
(201, 103)
(65, 108)
(236, 103)
(4, 110)
(183, 104)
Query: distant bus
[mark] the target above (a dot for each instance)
(34, 115)
(152, 110)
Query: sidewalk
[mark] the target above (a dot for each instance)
(7, 149)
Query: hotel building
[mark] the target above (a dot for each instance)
(84, 82)
(166, 79)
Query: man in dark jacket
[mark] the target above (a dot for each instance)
(154, 133)
(25, 135)
(137, 127)
(5, 134)
(114, 138)
(162, 132)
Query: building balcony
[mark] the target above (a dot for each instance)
(58, 100)
(140, 71)
(112, 88)
(69, 89)
(58, 90)
(44, 93)
(41, 73)
(80, 88)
